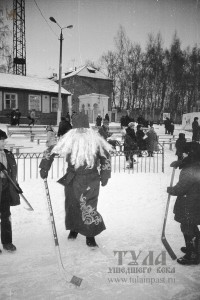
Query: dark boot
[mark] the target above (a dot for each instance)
(9, 247)
(90, 241)
(191, 257)
(72, 235)
(184, 249)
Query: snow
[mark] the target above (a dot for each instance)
(133, 208)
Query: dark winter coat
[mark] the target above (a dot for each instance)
(12, 172)
(104, 132)
(180, 146)
(98, 121)
(140, 141)
(107, 117)
(187, 206)
(195, 130)
(81, 195)
(152, 140)
(130, 142)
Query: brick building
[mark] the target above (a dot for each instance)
(27, 93)
(91, 91)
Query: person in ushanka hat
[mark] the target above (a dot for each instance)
(86, 152)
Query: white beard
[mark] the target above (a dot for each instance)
(82, 144)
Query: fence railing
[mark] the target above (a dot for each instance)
(28, 164)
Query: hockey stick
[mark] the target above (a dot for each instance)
(74, 280)
(163, 237)
(18, 190)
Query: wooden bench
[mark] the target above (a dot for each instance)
(26, 130)
(12, 147)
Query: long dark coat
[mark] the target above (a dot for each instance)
(140, 141)
(152, 140)
(81, 195)
(195, 131)
(187, 205)
(12, 172)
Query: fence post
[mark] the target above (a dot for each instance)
(163, 162)
(170, 144)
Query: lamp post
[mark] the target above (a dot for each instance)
(59, 111)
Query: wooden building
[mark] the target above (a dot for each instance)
(28, 93)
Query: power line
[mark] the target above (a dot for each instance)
(44, 18)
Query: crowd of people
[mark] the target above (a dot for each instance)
(87, 153)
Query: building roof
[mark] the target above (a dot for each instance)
(29, 83)
(86, 71)
(93, 95)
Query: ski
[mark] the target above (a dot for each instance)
(163, 237)
(76, 281)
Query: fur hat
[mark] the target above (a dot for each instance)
(3, 135)
(80, 121)
(131, 124)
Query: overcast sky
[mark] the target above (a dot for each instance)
(96, 23)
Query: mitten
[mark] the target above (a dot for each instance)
(169, 188)
(104, 182)
(19, 191)
(175, 164)
(43, 173)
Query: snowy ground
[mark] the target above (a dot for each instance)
(133, 207)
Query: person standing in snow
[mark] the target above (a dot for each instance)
(104, 130)
(180, 145)
(98, 120)
(31, 117)
(130, 144)
(85, 152)
(140, 139)
(195, 130)
(8, 194)
(151, 141)
(51, 136)
(187, 205)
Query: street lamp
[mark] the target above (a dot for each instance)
(60, 69)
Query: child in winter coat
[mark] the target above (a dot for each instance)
(187, 205)
(151, 142)
(51, 136)
(8, 195)
(180, 145)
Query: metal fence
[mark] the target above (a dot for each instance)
(28, 164)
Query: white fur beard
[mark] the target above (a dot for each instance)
(82, 144)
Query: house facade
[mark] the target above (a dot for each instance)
(91, 92)
(28, 93)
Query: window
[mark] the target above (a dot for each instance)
(54, 104)
(10, 101)
(46, 104)
(34, 102)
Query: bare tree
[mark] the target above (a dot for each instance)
(5, 51)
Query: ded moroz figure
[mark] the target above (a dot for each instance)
(86, 152)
